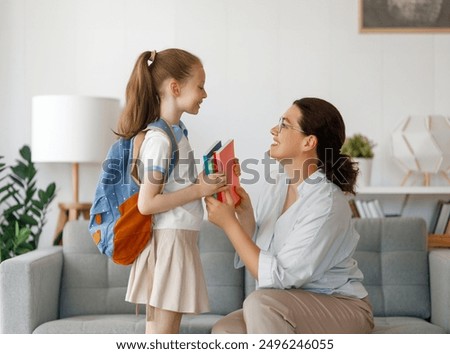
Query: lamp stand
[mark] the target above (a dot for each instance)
(75, 179)
(71, 211)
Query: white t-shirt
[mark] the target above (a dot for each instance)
(155, 155)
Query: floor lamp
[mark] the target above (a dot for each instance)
(76, 130)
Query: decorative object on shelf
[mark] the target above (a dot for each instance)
(360, 148)
(72, 129)
(421, 145)
(23, 206)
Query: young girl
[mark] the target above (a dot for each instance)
(300, 242)
(167, 276)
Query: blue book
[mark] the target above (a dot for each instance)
(208, 157)
(208, 160)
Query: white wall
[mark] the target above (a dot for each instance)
(259, 56)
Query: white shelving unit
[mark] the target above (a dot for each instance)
(408, 190)
(407, 201)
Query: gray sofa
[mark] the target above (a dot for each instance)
(75, 289)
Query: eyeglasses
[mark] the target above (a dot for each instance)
(282, 124)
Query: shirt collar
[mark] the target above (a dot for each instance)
(312, 180)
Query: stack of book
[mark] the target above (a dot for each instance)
(220, 158)
(440, 224)
(366, 208)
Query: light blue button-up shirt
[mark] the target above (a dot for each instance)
(310, 245)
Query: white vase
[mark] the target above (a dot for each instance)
(365, 171)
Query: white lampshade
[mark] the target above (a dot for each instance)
(74, 129)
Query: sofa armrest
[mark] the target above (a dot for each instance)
(29, 289)
(440, 287)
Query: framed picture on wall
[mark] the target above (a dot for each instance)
(404, 15)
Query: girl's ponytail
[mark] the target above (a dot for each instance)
(142, 103)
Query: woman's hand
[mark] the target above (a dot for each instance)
(222, 214)
(244, 211)
(244, 207)
(237, 167)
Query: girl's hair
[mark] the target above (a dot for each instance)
(143, 91)
(321, 119)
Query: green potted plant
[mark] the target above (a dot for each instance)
(23, 206)
(360, 148)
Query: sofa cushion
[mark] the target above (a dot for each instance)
(399, 325)
(105, 324)
(91, 283)
(123, 324)
(392, 254)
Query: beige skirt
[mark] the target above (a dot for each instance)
(168, 274)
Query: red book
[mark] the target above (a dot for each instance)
(225, 161)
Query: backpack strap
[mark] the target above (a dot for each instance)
(164, 127)
(138, 139)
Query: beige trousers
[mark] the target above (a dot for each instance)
(274, 311)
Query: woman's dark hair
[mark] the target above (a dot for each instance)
(144, 87)
(321, 119)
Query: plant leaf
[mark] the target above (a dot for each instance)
(13, 209)
(51, 188)
(20, 170)
(38, 204)
(21, 235)
(28, 220)
(22, 214)
(25, 152)
(35, 211)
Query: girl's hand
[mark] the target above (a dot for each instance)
(211, 184)
(221, 214)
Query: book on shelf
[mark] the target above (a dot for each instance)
(359, 207)
(442, 219)
(353, 208)
(435, 216)
(379, 209)
(447, 229)
(221, 158)
(366, 208)
(372, 209)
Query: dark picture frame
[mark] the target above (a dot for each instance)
(404, 16)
